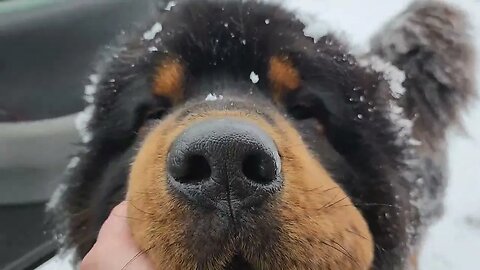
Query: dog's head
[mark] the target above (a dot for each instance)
(251, 145)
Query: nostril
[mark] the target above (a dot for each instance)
(224, 164)
(193, 170)
(259, 168)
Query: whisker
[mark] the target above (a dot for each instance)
(145, 193)
(357, 234)
(338, 201)
(329, 202)
(346, 251)
(329, 189)
(320, 189)
(343, 251)
(343, 205)
(306, 189)
(143, 211)
(127, 217)
(140, 253)
(376, 204)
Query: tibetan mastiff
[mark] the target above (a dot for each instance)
(242, 140)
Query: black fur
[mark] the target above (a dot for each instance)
(221, 42)
(430, 41)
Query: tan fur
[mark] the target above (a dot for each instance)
(283, 76)
(169, 79)
(319, 226)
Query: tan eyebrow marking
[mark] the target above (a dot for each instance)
(169, 79)
(283, 76)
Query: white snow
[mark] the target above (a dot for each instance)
(254, 77)
(392, 74)
(55, 198)
(213, 97)
(170, 5)
(402, 124)
(89, 91)
(315, 26)
(91, 88)
(63, 262)
(83, 118)
(395, 77)
(150, 34)
(73, 163)
(454, 242)
(82, 121)
(152, 49)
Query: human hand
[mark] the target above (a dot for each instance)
(115, 248)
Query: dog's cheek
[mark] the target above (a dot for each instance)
(320, 225)
(156, 218)
(317, 210)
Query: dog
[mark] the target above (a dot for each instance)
(240, 140)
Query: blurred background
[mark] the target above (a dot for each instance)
(47, 48)
(46, 52)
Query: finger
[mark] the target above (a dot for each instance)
(116, 224)
(115, 248)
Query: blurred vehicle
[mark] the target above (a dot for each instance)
(46, 51)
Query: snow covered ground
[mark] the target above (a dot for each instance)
(454, 242)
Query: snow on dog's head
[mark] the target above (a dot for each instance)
(249, 137)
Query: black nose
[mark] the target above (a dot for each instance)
(224, 162)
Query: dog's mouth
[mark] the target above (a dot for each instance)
(238, 262)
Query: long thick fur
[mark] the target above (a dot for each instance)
(430, 42)
(397, 185)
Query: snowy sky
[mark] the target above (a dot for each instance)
(454, 242)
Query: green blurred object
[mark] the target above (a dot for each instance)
(11, 6)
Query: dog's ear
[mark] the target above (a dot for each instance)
(429, 41)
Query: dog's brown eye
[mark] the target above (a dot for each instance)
(301, 112)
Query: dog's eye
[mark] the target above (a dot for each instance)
(301, 112)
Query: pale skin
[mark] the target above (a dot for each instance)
(115, 248)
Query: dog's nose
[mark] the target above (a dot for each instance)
(222, 160)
